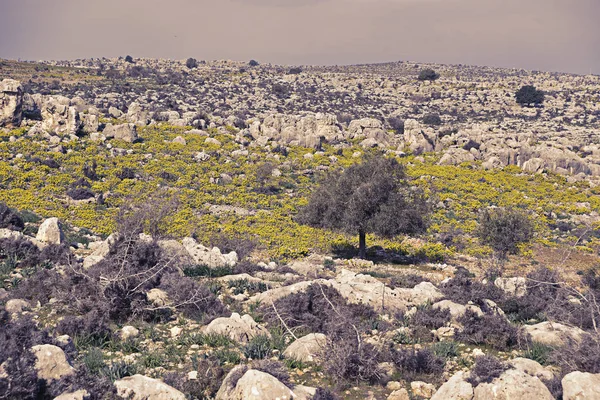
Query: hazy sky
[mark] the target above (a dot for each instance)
(553, 35)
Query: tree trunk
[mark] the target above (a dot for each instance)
(362, 245)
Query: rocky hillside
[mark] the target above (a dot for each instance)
(149, 245)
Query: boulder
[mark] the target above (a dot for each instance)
(553, 333)
(129, 331)
(456, 388)
(422, 389)
(531, 367)
(16, 305)
(58, 116)
(50, 232)
(456, 310)
(581, 386)
(125, 132)
(516, 286)
(11, 103)
(513, 384)
(255, 385)
(51, 362)
(400, 394)
(78, 395)
(238, 328)
(158, 297)
(140, 387)
(308, 348)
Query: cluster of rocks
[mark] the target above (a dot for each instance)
(480, 118)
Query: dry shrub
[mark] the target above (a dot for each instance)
(486, 369)
(10, 219)
(462, 288)
(349, 360)
(321, 309)
(210, 375)
(581, 356)
(431, 318)
(491, 330)
(415, 364)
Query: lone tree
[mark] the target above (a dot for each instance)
(504, 229)
(129, 59)
(371, 197)
(191, 63)
(428, 74)
(528, 95)
(253, 63)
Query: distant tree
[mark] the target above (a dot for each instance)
(432, 119)
(191, 63)
(129, 59)
(295, 71)
(528, 95)
(428, 74)
(504, 229)
(253, 63)
(397, 125)
(374, 196)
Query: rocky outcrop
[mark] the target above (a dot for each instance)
(212, 258)
(139, 387)
(11, 103)
(308, 130)
(581, 386)
(60, 117)
(51, 362)
(125, 132)
(238, 328)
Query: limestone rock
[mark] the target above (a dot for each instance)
(422, 389)
(400, 394)
(553, 333)
(258, 385)
(581, 386)
(125, 132)
(129, 331)
(238, 328)
(158, 297)
(50, 232)
(456, 310)
(513, 384)
(78, 395)
(531, 367)
(308, 348)
(16, 305)
(212, 258)
(516, 286)
(11, 103)
(51, 362)
(139, 387)
(456, 388)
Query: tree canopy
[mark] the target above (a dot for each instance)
(528, 95)
(428, 74)
(373, 196)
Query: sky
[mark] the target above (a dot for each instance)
(545, 35)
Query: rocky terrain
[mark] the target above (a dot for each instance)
(149, 247)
